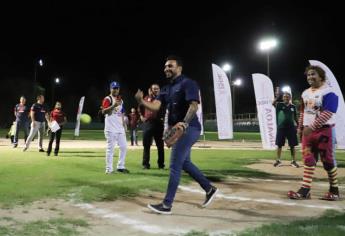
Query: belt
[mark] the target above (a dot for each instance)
(324, 126)
(327, 126)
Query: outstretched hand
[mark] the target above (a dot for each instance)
(139, 96)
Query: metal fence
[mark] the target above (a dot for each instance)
(247, 122)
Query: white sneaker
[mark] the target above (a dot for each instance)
(108, 171)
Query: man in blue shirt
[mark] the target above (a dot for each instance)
(181, 98)
(21, 112)
(38, 116)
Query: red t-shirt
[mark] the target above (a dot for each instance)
(57, 115)
(147, 113)
(133, 120)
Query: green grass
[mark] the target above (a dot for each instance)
(29, 176)
(331, 223)
(99, 135)
(52, 227)
(197, 233)
(79, 173)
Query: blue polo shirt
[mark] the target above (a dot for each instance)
(177, 96)
(40, 111)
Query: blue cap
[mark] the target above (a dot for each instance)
(114, 84)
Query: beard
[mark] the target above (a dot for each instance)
(168, 75)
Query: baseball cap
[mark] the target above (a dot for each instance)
(114, 84)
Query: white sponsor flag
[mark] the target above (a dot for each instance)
(199, 115)
(264, 96)
(223, 103)
(80, 110)
(340, 115)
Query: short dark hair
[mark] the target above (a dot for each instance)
(318, 70)
(178, 59)
(39, 96)
(154, 84)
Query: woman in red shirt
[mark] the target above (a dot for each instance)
(58, 116)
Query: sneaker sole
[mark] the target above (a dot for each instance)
(159, 212)
(293, 197)
(330, 199)
(211, 199)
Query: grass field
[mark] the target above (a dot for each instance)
(58, 227)
(30, 176)
(81, 171)
(331, 223)
(99, 135)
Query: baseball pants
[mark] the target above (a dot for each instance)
(112, 139)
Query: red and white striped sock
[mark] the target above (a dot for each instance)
(308, 176)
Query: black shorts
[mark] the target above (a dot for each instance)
(287, 133)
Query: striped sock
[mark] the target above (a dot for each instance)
(308, 176)
(333, 181)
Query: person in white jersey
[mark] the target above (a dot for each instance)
(114, 128)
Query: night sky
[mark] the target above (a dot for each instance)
(88, 44)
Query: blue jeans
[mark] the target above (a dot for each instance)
(180, 159)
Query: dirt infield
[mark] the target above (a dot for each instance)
(286, 171)
(102, 144)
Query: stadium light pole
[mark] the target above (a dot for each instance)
(267, 45)
(56, 81)
(227, 68)
(237, 83)
(37, 63)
